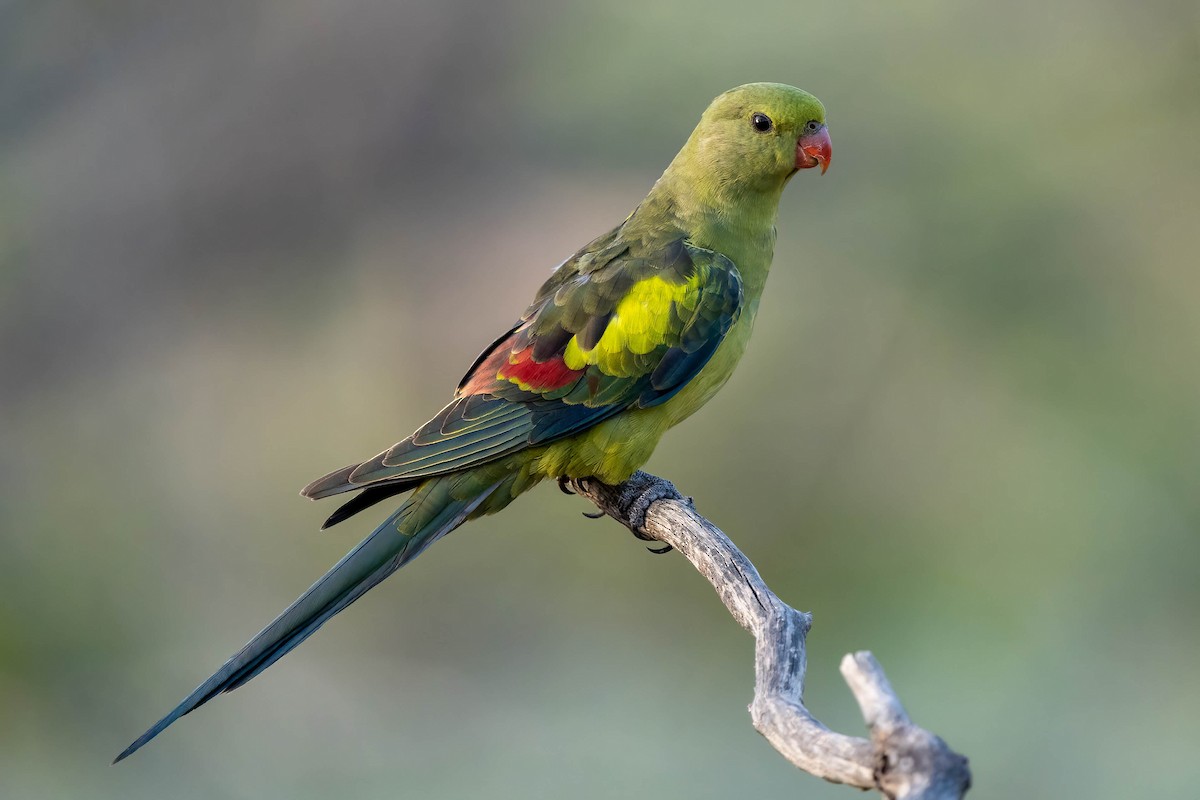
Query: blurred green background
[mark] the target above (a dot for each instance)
(244, 243)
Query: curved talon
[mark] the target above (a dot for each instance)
(666, 548)
(564, 485)
(593, 514)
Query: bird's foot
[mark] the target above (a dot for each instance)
(636, 496)
(636, 499)
(567, 486)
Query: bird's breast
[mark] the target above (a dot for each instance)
(715, 373)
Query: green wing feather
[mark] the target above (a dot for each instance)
(625, 322)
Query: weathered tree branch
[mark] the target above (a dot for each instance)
(901, 760)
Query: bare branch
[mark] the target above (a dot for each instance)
(901, 760)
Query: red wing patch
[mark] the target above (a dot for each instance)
(539, 377)
(520, 368)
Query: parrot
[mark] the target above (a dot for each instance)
(627, 338)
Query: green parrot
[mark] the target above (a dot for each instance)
(627, 338)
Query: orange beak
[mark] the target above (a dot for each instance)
(814, 149)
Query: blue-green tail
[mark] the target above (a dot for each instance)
(433, 510)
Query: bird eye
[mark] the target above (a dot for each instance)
(812, 126)
(761, 122)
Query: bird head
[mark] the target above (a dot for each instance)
(756, 137)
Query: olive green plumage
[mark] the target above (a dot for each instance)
(627, 338)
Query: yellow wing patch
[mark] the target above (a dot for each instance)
(640, 323)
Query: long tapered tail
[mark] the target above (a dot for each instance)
(434, 509)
